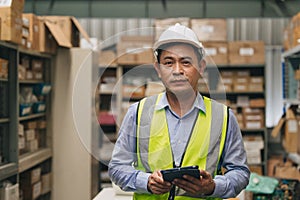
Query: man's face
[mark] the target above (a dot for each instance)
(180, 69)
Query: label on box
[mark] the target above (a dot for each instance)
(211, 51)
(41, 108)
(223, 50)
(292, 126)
(246, 51)
(46, 89)
(26, 111)
(21, 142)
(5, 3)
(207, 29)
(36, 190)
(30, 134)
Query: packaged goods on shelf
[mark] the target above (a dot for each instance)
(39, 107)
(107, 58)
(106, 118)
(42, 89)
(210, 29)
(46, 183)
(135, 50)
(154, 87)
(11, 20)
(9, 191)
(31, 23)
(32, 176)
(216, 53)
(31, 191)
(253, 146)
(246, 52)
(288, 125)
(3, 68)
(132, 91)
(162, 24)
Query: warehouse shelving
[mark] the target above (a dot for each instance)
(15, 163)
(213, 77)
(291, 87)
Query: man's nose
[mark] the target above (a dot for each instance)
(177, 68)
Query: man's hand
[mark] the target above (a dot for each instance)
(203, 186)
(157, 185)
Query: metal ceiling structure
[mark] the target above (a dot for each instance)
(165, 8)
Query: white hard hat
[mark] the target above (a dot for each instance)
(178, 33)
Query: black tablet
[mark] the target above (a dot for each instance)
(170, 174)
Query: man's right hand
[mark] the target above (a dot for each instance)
(157, 185)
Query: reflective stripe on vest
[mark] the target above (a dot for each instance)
(153, 143)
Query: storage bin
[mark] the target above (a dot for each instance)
(42, 89)
(25, 109)
(39, 107)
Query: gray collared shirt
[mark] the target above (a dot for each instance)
(123, 173)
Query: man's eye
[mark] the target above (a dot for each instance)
(168, 63)
(186, 63)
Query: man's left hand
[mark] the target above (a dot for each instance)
(203, 186)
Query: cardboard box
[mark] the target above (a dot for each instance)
(135, 50)
(11, 20)
(51, 36)
(161, 25)
(210, 29)
(256, 169)
(70, 27)
(131, 91)
(32, 191)
(30, 134)
(32, 22)
(3, 68)
(216, 53)
(287, 172)
(31, 177)
(107, 58)
(246, 52)
(290, 140)
(257, 103)
(46, 183)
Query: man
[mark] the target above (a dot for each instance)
(179, 128)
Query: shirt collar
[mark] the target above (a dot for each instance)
(198, 103)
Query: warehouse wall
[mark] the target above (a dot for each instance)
(270, 30)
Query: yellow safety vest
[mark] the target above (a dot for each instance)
(204, 148)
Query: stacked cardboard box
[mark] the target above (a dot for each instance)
(135, 50)
(213, 35)
(253, 146)
(11, 20)
(246, 52)
(291, 33)
(289, 126)
(30, 184)
(30, 31)
(162, 24)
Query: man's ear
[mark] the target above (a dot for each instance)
(202, 66)
(157, 68)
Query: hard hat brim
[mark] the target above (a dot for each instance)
(160, 43)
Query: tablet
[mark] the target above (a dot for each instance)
(170, 174)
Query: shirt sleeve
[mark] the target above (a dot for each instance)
(234, 160)
(121, 166)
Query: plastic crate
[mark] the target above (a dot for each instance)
(39, 107)
(4, 99)
(25, 109)
(42, 89)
